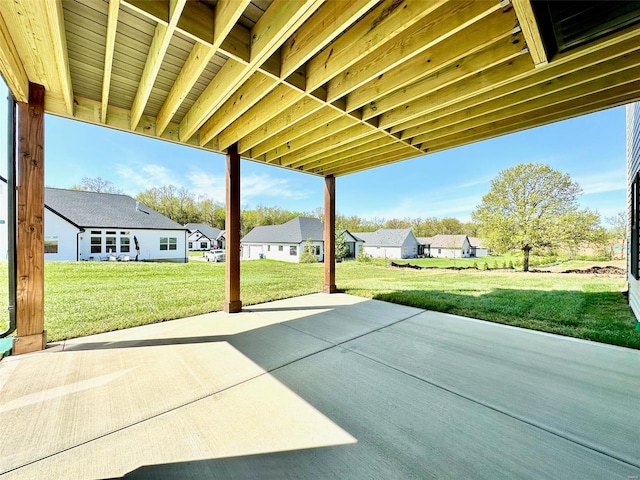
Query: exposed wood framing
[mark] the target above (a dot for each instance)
(232, 303)
(531, 31)
(323, 87)
(329, 234)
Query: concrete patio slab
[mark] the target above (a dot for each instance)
(321, 386)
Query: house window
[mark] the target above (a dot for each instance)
(50, 244)
(96, 244)
(203, 245)
(317, 249)
(125, 244)
(168, 243)
(110, 244)
(293, 250)
(190, 245)
(268, 248)
(110, 232)
(439, 250)
(280, 248)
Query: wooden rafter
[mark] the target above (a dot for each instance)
(110, 42)
(11, 65)
(531, 31)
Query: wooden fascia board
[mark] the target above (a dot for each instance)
(11, 65)
(434, 29)
(58, 44)
(531, 31)
(110, 42)
(155, 57)
(383, 23)
(490, 90)
(226, 14)
(268, 34)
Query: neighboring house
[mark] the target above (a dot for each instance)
(284, 242)
(633, 199)
(453, 246)
(396, 243)
(478, 247)
(93, 226)
(354, 244)
(202, 236)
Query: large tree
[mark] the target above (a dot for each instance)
(97, 184)
(533, 206)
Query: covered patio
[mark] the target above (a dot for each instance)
(324, 87)
(321, 387)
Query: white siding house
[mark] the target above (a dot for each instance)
(284, 242)
(633, 194)
(203, 237)
(394, 243)
(447, 246)
(90, 226)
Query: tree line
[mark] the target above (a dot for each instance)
(183, 206)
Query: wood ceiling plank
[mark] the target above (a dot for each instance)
(155, 57)
(11, 65)
(273, 28)
(441, 25)
(367, 161)
(112, 24)
(385, 22)
(227, 14)
(531, 31)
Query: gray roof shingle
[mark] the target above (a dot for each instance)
(208, 231)
(105, 210)
(385, 237)
(297, 230)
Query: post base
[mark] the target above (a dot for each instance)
(233, 306)
(30, 343)
(329, 289)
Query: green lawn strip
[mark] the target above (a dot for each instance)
(83, 298)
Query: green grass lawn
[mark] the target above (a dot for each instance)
(82, 298)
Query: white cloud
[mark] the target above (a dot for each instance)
(207, 185)
(603, 181)
(136, 178)
(262, 185)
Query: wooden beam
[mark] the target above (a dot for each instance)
(58, 43)
(356, 147)
(329, 235)
(531, 31)
(245, 97)
(110, 43)
(496, 84)
(364, 163)
(274, 27)
(227, 13)
(11, 65)
(232, 303)
(155, 57)
(30, 333)
(325, 25)
(434, 29)
(386, 21)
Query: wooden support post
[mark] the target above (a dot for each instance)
(30, 333)
(329, 234)
(232, 302)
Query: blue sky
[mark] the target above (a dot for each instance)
(591, 149)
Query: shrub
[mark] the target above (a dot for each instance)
(475, 264)
(510, 264)
(495, 264)
(309, 253)
(504, 264)
(485, 266)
